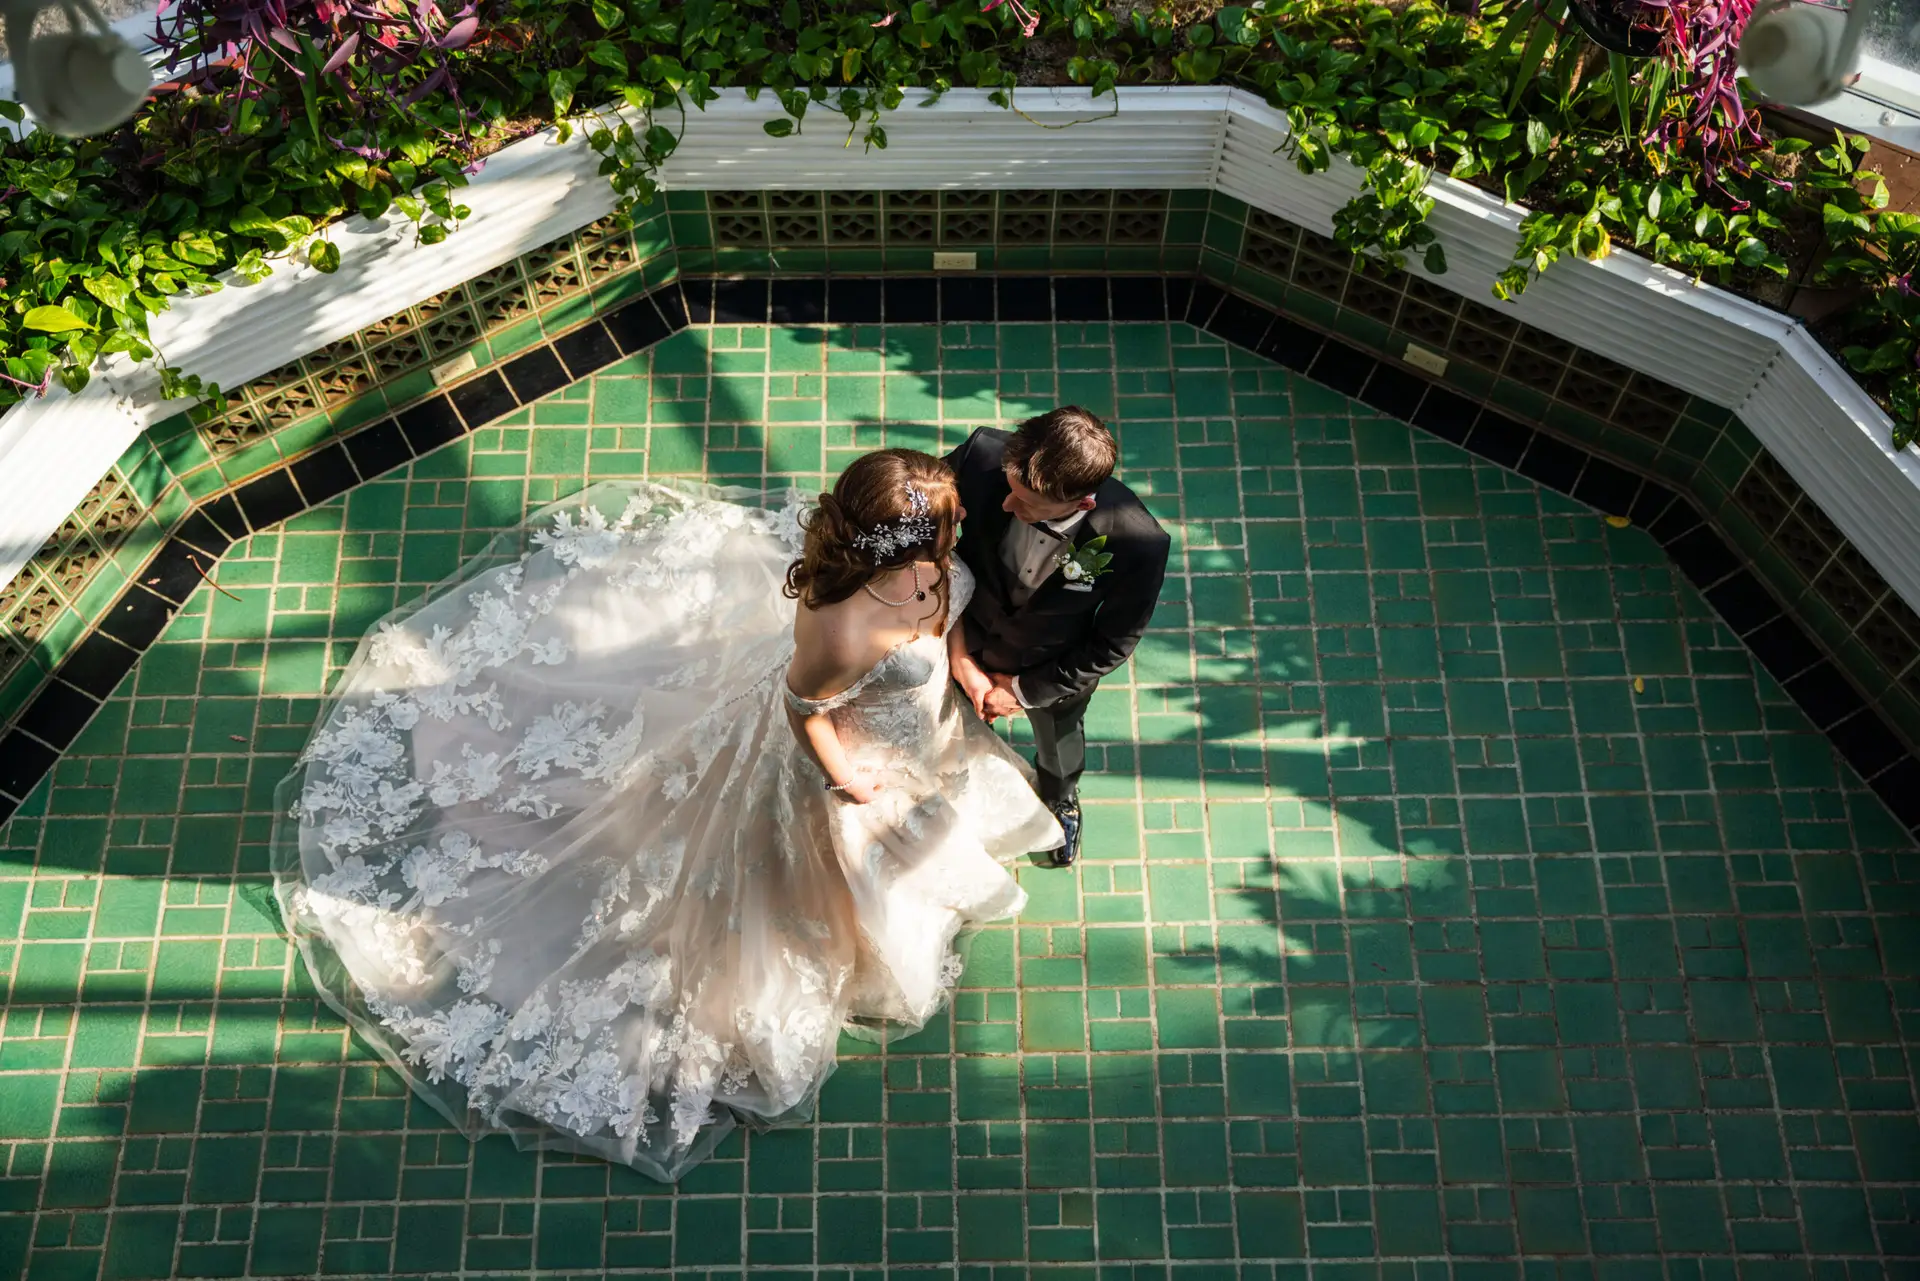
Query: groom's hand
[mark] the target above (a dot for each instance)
(1000, 699)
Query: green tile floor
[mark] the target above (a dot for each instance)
(1458, 898)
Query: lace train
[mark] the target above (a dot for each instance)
(555, 854)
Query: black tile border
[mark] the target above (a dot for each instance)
(95, 667)
(799, 300)
(532, 374)
(587, 349)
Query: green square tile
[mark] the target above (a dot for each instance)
(141, 1244)
(992, 1227)
(1332, 1153)
(1129, 1225)
(1180, 893)
(1550, 1220)
(850, 1229)
(1052, 1021)
(27, 1107)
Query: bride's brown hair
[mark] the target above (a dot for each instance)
(871, 500)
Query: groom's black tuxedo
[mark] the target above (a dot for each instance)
(1062, 641)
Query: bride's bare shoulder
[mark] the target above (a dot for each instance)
(829, 649)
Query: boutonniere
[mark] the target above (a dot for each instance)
(1085, 563)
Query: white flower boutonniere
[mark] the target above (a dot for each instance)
(1084, 564)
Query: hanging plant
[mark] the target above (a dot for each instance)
(1700, 46)
(1619, 26)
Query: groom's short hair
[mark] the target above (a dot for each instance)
(1065, 453)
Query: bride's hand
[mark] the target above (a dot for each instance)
(976, 685)
(861, 789)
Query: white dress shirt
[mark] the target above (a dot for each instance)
(1032, 556)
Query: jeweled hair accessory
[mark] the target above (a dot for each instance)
(891, 537)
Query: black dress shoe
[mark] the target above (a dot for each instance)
(1068, 813)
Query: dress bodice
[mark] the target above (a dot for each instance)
(911, 671)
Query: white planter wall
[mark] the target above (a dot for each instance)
(1707, 342)
(53, 449)
(1161, 137)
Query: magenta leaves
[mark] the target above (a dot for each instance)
(368, 62)
(1701, 44)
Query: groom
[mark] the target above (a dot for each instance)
(1050, 616)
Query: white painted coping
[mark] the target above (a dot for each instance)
(1735, 353)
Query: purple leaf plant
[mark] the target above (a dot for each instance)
(375, 54)
(1700, 42)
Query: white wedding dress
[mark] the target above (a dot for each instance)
(557, 856)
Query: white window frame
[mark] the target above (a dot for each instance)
(1883, 103)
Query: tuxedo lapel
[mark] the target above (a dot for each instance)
(990, 531)
(990, 557)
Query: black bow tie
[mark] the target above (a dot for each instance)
(1050, 531)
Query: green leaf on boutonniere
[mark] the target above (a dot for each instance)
(1087, 562)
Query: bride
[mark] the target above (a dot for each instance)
(605, 843)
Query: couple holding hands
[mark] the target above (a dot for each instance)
(606, 842)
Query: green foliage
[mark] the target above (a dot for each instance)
(1668, 221)
(100, 234)
(1088, 561)
(1875, 251)
(1519, 108)
(1389, 216)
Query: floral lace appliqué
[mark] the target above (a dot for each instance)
(594, 901)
